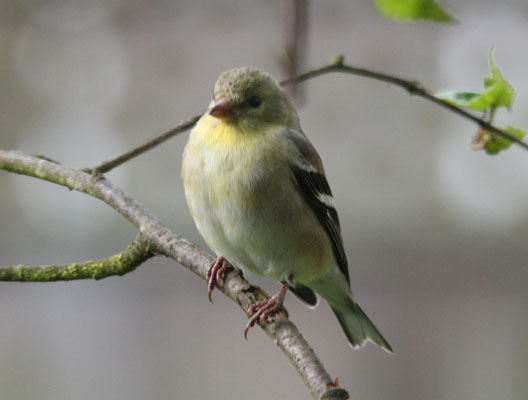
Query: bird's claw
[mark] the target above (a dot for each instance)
(262, 310)
(216, 275)
(334, 384)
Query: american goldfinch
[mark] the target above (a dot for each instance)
(258, 194)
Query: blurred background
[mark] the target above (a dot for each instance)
(435, 233)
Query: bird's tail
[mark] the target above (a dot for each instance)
(358, 328)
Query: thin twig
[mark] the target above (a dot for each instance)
(337, 65)
(412, 87)
(296, 34)
(111, 164)
(162, 241)
(126, 261)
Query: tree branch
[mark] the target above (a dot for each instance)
(337, 65)
(296, 34)
(162, 241)
(111, 164)
(412, 87)
(128, 260)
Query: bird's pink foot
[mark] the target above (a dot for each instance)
(262, 310)
(216, 275)
(334, 384)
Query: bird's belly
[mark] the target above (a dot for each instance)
(254, 220)
(245, 224)
(284, 247)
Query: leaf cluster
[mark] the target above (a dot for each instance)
(498, 93)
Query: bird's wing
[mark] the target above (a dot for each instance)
(311, 181)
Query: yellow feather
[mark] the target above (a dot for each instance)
(232, 176)
(214, 132)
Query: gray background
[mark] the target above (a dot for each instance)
(435, 233)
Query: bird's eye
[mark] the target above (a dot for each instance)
(255, 102)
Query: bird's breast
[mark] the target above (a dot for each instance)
(235, 165)
(241, 194)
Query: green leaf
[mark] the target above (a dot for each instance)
(498, 89)
(497, 92)
(516, 132)
(460, 99)
(412, 10)
(494, 143)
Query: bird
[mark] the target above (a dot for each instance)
(257, 191)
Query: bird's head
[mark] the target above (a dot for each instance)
(251, 98)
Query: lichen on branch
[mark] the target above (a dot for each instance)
(121, 263)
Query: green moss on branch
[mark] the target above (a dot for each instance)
(128, 260)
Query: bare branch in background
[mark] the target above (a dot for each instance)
(111, 164)
(296, 35)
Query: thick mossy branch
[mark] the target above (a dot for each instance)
(164, 242)
(128, 260)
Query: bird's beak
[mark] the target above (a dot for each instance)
(223, 109)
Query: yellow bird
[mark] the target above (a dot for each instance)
(258, 194)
